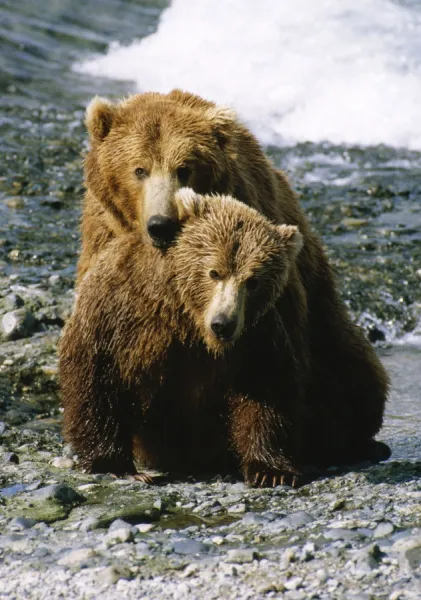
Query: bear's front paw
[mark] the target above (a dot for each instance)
(144, 478)
(263, 476)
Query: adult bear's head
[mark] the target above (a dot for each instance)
(146, 147)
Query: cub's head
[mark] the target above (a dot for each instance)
(146, 147)
(231, 264)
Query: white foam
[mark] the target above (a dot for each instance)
(347, 71)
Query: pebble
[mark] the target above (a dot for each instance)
(10, 457)
(293, 521)
(15, 202)
(60, 492)
(242, 556)
(145, 527)
(110, 575)
(190, 570)
(252, 518)
(75, 557)
(383, 530)
(61, 462)
(218, 540)
(293, 583)
(89, 524)
(341, 534)
(55, 280)
(20, 524)
(188, 546)
(120, 536)
(12, 301)
(17, 324)
(237, 509)
(368, 558)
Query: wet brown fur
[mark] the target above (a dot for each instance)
(138, 368)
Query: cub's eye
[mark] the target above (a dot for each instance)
(140, 173)
(214, 275)
(252, 284)
(183, 174)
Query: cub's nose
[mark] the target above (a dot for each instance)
(162, 230)
(223, 327)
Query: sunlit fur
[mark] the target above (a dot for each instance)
(239, 244)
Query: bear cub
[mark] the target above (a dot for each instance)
(180, 360)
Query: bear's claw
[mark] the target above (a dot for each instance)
(266, 479)
(143, 477)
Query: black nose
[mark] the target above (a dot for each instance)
(223, 327)
(162, 230)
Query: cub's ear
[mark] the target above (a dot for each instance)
(292, 239)
(222, 121)
(99, 118)
(189, 204)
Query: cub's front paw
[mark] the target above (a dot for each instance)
(263, 476)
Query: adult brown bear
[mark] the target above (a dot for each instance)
(142, 150)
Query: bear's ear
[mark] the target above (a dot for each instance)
(99, 118)
(222, 122)
(189, 204)
(292, 238)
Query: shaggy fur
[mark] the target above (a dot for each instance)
(177, 140)
(142, 372)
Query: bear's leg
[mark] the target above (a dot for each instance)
(347, 395)
(98, 410)
(258, 439)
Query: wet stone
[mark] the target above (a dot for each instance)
(60, 492)
(342, 534)
(89, 524)
(119, 524)
(190, 547)
(252, 518)
(61, 462)
(242, 556)
(17, 324)
(10, 457)
(294, 521)
(110, 575)
(383, 530)
(21, 523)
(120, 535)
(12, 302)
(76, 557)
(237, 508)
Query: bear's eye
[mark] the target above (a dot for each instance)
(252, 284)
(140, 173)
(183, 174)
(214, 275)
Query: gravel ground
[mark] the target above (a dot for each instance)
(352, 534)
(66, 534)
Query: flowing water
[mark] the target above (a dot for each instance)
(331, 88)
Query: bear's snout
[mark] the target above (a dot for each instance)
(162, 230)
(224, 327)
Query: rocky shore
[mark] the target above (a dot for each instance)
(352, 534)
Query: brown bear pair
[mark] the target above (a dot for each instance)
(142, 150)
(197, 359)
